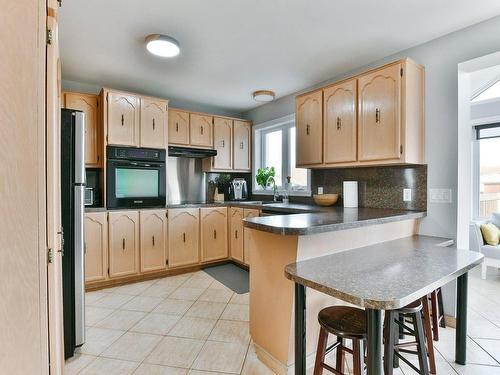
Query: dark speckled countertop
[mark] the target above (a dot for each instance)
(332, 219)
(388, 275)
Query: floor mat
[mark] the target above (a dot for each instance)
(232, 276)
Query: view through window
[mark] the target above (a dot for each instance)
(489, 169)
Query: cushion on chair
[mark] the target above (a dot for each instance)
(491, 251)
(491, 234)
(495, 218)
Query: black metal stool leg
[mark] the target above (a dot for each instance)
(389, 336)
(421, 347)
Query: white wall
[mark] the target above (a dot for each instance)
(69, 85)
(440, 58)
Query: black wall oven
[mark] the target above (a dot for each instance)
(135, 177)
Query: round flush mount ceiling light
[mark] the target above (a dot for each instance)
(264, 95)
(162, 45)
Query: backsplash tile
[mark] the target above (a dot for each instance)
(378, 187)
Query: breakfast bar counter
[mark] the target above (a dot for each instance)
(272, 242)
(383, 276)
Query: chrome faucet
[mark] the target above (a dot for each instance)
(275, 188)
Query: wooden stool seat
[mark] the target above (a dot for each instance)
(411, 308)
(344, 321)
(347, 323)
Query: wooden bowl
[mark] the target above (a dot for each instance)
(325, 199)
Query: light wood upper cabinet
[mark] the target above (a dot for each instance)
(88, 104)
(153, 240)
(183, 236)
(309, 128)
(123, 119)
(223, 143)
(236, 235)
(154, 124)
(200, 130)
(178, 127)
(96, 246)
(340, 125)
(248, 213)
(242, 136)
(123, 243)
(380, 114)
(214, 225)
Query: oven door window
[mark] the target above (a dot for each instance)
(134, 182)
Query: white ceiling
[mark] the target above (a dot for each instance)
(229, 48)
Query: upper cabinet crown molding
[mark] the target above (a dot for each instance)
(375, 118)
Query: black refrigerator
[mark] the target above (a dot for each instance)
(72, 210)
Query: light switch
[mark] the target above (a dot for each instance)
(440, 195)
(320, 190)
(407, 195)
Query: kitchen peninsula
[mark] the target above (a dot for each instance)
(277, 241)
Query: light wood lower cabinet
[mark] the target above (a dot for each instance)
(96, 246)
(153, 240)
(123, 243)
(236, 239)
(248, 213)
(183, 238)
(213, 224)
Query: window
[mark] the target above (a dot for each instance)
(487, 173)
(274, 146)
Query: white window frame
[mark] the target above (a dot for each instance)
(285, 123)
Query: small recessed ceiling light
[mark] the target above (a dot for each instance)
(162, 45)
(264, 96)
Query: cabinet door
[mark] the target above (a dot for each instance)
(247, 213)
(236, 224)
(340, 136)
(88, 104)
(309, 128)
(200, 130)
(153, 123)
(242, 136)
(380, 114)
(178, 127)
(223, 137)
(153, 240)
(96, 246)
(123, 243)
(183, 237)
(123, 119)
(213, 233)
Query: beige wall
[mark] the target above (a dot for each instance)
(23, 333)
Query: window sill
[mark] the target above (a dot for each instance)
(296, 193)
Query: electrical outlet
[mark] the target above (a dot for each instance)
(440, 195)
(320, 190)
(407, 195)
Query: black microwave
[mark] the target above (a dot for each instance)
(136, 177)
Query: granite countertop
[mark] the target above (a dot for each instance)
(388, 275)
(333, 219)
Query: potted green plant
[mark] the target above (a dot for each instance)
(222, 182)
(263, 175)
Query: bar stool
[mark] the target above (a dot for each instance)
(347, 323)
(394, 319)
(436, 298)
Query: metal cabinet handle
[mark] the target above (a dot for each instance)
(215, 234)
(308, 129)
(153, 124)
(241, 145)
(85, 247)
(236, 233)
(201, 130)
(339, 123)
(377, 116)
(176, 126)
(184, 237)
(123, 243)
(123, 119)
(153, 241)
(223, 143)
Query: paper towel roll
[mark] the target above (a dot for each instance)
(350, 193)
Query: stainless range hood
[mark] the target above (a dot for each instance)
(187, 152)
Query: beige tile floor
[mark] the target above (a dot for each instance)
(192, 324)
